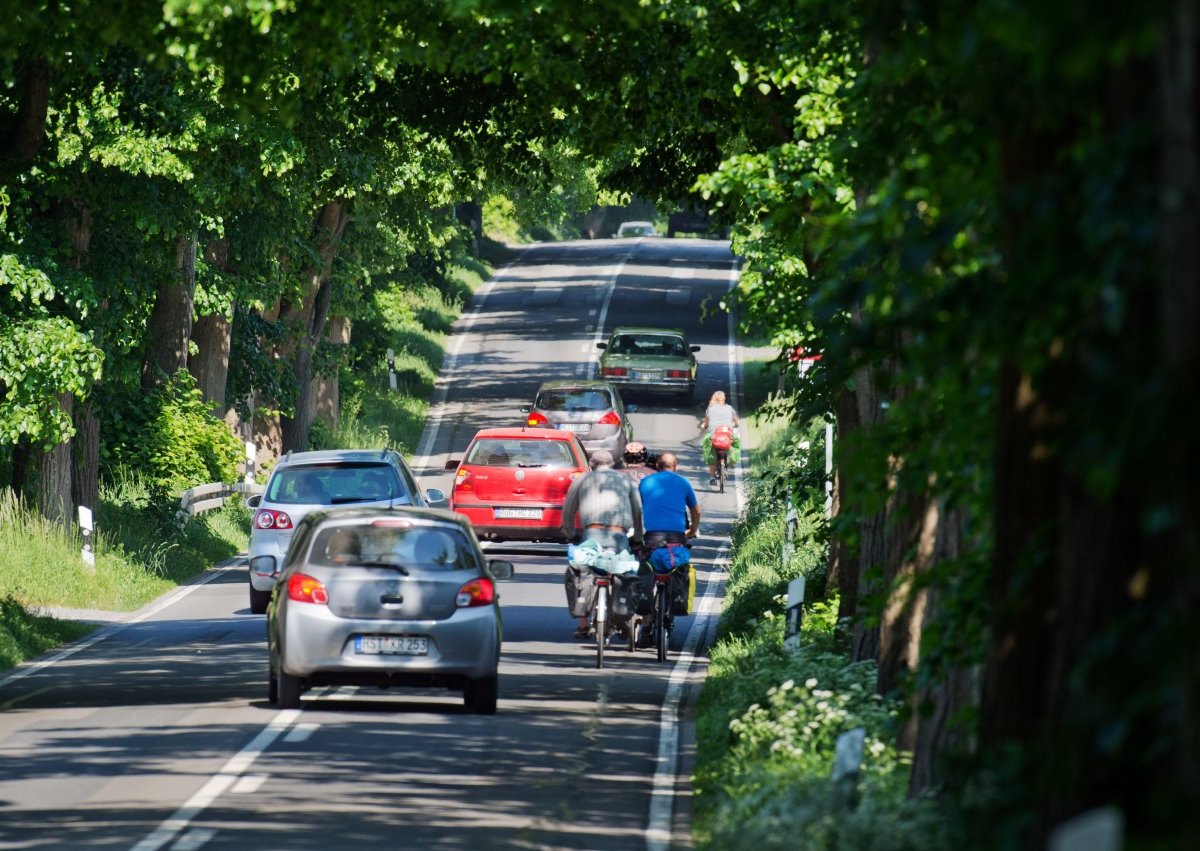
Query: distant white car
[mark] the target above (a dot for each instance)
(636, 229)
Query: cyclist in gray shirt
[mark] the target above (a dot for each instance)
(608, 506)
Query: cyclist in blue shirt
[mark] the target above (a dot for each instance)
(670, 515)
(670, 510)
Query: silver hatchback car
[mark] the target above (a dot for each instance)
(310, 481)
(593, 410)
(386, 598)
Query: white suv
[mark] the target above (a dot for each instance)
(312, 481)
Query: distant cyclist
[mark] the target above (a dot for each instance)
(719, 414)
(608, 506)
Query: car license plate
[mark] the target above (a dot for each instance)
(392, 645)
(518, 513)
(646, 376)
(576, 428)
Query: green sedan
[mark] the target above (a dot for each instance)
(654, 360)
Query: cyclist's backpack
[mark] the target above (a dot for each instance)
(641, 590)
(665, 559)
(683, 589)
(581, 591)
(722, 438)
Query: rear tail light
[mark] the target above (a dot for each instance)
(615, 371)
(462, 479)
(536, 418)
(305, 589)
(477, 592)
(678, 373)
(265, 518)
(610, 418)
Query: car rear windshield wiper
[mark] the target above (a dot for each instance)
(390, 565)
(531, 465)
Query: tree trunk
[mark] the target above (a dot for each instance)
(911, 545)
(308, 321)
(210, 365)
(325, 391)
(85, 446)
(53, 490)
(212, 337)
(169, 331)
(873, 530)
(85, 452)
(843, 563)
(27, 132)
(939, 730)
(1179, 313)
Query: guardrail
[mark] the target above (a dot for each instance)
(203, 498)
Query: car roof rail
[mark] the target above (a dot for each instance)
(288, 457)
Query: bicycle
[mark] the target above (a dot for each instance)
(661, 615)
(722, 440)
(663, 621)
(604, 620)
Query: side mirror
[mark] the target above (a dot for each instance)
(602, 345)
(500, 569)
(451, 464)
(695, 348)
(433, 495)
(253, 502)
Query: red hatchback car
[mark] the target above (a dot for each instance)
(511, 482)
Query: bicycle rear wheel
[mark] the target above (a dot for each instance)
(601, 623)
(662, 599)
(721, 461)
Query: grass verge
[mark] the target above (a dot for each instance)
(24, 635)
(769, 717)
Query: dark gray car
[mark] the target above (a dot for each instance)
(593, 410)
(386, 597)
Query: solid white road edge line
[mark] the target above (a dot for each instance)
(229, 774)
(662, 796)
(107, 631)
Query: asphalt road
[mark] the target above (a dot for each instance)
(155, 732)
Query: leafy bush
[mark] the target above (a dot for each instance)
(168, 440)
(182, 443)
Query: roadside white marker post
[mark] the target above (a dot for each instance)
(847, 760)
(391, 364)
(795, 614)
(1101, 829)
(251, 458)
(86, 528)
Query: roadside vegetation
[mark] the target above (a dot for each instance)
(981, 214)
(769, 716)
(140, 549)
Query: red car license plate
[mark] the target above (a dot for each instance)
(518, 513)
